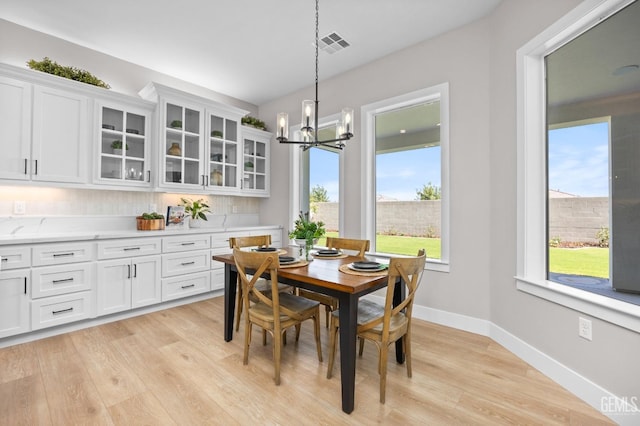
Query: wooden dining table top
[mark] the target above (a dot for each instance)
(323, 272)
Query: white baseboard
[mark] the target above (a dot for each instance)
(623, 411)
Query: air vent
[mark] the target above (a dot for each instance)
(331, 43)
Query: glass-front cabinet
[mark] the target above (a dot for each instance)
(223, 152)
(123, 145)
(255, 162)
(182, 148)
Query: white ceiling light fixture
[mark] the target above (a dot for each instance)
(309, 125)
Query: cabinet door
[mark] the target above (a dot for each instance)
(146, 285)
(59, 148)
(255, 165)
(15, 128)
(123, 147)
(14, 302)
(114, 286)
(223, 153)
(183, 149)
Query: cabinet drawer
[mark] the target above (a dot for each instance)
(185, 243)
(56, 310)
(185, 263)
(219, 241)
(15, 257)
(129, 248)
(63, 279)
(57, 254)
(217, 279)
(183, 286)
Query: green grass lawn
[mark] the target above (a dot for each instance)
(588, 261)
(401, 245)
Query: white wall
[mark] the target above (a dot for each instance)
(478, 61)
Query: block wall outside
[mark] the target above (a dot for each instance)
(576, 219)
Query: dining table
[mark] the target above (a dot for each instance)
(323, 275)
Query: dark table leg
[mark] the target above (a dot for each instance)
(348, 327)
(399, 293)
(230, 284)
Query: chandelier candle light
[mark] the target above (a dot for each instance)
(309, 125)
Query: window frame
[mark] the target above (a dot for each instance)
(368, 200)
(531, 165)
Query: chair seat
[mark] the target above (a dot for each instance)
(295, 303)
(368, 311)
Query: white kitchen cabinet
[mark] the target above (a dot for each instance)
(185, 285)
(44, 130)
(123, 143)
(14, 302)
(199, 142)
(125, 284)
(255, 164)
(15, 128)
(58, 254)
(62, 279)
(63, 309)
(59, 147)
(15, 257)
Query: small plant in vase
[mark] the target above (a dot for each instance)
(116, 146)
(306, 233)
(196, 209)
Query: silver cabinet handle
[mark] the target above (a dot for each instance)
(187, 263)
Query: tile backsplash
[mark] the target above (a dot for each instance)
(41, 201)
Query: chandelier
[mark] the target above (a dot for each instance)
(309, 125)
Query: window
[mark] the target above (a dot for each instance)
(316, 184)
(406, 175)
(585, 66)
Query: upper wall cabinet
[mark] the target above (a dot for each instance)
(198, 146)
(44, 129)
(123, 143)
(255, 164)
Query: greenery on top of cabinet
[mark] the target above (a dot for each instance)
(72, 73)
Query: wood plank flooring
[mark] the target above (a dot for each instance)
(173, 367)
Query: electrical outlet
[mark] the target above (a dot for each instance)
(584, 328)
(153, 208)
(19, 207)
(234, 209)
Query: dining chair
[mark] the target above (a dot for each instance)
(274, 313)
(331, 303)
(384, 325)
(253, 241)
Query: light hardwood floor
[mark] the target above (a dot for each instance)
(174, 368)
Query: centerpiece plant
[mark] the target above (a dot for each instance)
(306, 232)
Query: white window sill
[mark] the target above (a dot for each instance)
(621, 313)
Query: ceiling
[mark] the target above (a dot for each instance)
(601, 63)
(253, 50)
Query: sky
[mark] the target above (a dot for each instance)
(578, 165)
(400, 174)
(579, 160)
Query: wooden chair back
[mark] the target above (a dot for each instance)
(250, 241)
(360, 246)
(409, 270)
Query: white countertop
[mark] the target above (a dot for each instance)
(30, 230)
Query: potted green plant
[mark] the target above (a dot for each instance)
(248, 165)
(196, 209)
(216, 133)
(306, 233)
(150, 222)
(116, 146)
(253, 122)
